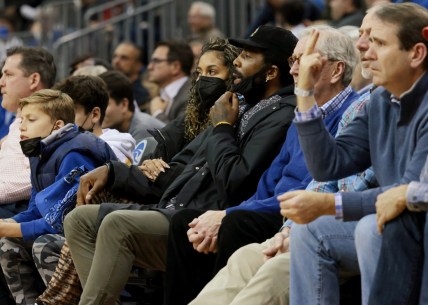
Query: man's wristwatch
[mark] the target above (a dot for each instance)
(302, 92)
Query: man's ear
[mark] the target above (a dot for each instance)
(175, 67)
(337, 72)
(58, 124)
(418, 55)
(272, 73)
(35, 81)
(96, 115)
(124, 104)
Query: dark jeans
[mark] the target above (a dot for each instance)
(398, 274)
(11, 209)
(8, 211)
(188, 271)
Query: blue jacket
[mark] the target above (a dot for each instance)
(392, 137)
(61, 152)
(288, 171)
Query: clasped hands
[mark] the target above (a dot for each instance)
(203, 232)
(151, 168)
(278, 244)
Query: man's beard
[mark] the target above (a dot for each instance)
(252, 88)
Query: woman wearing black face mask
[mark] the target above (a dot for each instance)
(212, 77)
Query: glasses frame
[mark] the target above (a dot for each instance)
(293, 58)
(156, 61)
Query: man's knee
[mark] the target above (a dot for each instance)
(113, 222)
(249, 254)
(366, 234)
(80, 216)
(180, 221)
(278, 268)
(237, 222)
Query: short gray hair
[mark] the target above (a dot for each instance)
(205, 9)
(336, 45)
(90, 70)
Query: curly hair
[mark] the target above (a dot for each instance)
(197, 120)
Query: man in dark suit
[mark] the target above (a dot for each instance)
(218, 169)
(169, 68)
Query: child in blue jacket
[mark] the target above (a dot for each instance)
(54, 146)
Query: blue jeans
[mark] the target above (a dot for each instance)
(368, 243)
(323, 255)
(398, 275)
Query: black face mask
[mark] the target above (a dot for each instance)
(31, 147)
(252, 87)
(81, 129)
(209, 90)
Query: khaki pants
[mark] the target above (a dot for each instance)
(249, 280)
(104, 258)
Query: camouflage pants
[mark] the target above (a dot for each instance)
(19, 270)
(46, 252)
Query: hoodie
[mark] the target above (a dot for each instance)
(121, 143)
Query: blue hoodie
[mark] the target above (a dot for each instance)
(61, 152)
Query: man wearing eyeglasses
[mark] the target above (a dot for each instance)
(215, 235)
(169, 68)
(390, 134)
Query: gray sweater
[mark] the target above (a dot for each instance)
(392, 137)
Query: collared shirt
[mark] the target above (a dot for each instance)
(323, 111)
(359, 181)
(15, 183)
(348, 115)
(169, 92)
(417, 192)
(248, 114)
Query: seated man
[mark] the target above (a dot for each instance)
(389, 134)
(258, 273)
(169, 68)
(128, 58)
(225, 167)
(411, 230)
(257, 218)
(25, 71)
(121, 113)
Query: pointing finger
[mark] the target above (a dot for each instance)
(313, 38)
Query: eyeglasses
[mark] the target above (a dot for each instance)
(157, 60)
(293, 58)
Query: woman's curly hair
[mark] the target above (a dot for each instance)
(196, 119)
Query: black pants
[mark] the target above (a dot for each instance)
(188, 271)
